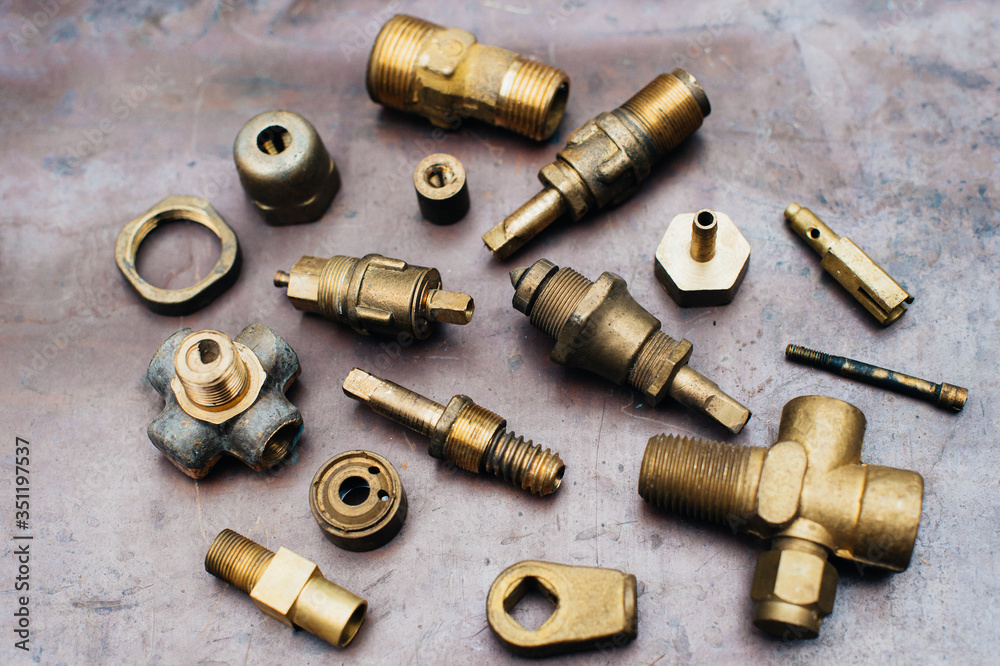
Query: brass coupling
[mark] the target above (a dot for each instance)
(374, 294)
(445, 75)
(287, 587)
(472, 437)
(606, 158)
(599, 327)
(809, 492)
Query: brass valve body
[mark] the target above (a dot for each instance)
(288, 587)
(474, 438)
(445, 75)
(375, 294)
(809, 491)
(599, 327)
(606, 158)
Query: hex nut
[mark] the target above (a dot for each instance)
(793, 591)
(442, 189)
(724, 257)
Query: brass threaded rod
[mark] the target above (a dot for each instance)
(237, 560)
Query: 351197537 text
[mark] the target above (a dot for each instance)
(22, 544)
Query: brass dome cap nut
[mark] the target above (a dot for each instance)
(358, 500)
(442, 190)
(702, 259)
(284, 168)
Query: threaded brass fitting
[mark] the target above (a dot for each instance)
(606, 158)
(374, 294)
(472, 437)
(598, 326)
(809, 491)
(288, 587)
(445, 75)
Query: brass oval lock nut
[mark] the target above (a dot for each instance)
(594, 608)
(285, 169)
(446, 76)
(702, 259)
(358, 500)
(599, 327)
(224, 396)
(287, 587)
(375, 294)
(863, 279)
(809, 492)
(606, 158)
(442, 191)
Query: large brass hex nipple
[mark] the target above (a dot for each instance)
(472, 437)
(607, 157)
(288, 587)
(445, 75)
(598, 326)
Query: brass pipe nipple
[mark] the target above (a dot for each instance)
(703, 231)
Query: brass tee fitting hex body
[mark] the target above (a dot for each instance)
(374, 294)
(472, 437)
(598, 326)
(809, 491)
(445, 75)
(288, 587)
(606, 158)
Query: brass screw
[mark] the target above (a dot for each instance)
(474, 438)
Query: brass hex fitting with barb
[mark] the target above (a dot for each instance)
(445, 75)
(606, 158)
(288, 587)
(598, 326)
(809, 492)
(375, 294)
(472, 437)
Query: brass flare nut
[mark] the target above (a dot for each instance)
(474, 438)
(599, 327)
(288, 587)
(445, 75)
(809, 491)
(375, 294)
(607, 157)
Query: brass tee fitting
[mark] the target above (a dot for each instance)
(374, 294)
(288, 587)
(474, 438)
(445, 75)
(809, 491)
(598, 326)
(607, 157)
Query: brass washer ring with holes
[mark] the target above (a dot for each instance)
(187, 300)
(358, 500)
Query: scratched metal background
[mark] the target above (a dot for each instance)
(880, 116)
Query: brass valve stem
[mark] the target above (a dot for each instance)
(474, 438)
(607, 157)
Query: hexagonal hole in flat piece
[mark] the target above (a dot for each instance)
(531, 603)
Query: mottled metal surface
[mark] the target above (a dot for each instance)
(880, 117)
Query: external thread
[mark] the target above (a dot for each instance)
(230, 385)
(333, 283)
(237, 560)
(532, 99)
(524, 464)
(667, 110)
(470, 436)
(650, 359)
(806, 355)
(393, 60)
(559, 297)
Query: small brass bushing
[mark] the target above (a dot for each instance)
(288, 587)
(702, 259)
(442, 191)
(375, 294)
(358, 500)
(285, 169)
(446, 76)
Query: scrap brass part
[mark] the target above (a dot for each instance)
(944, 395)
(187, 300)
(809, 491)
(445, 75)
(288, 587)
(284, 167)
(598, 326)
(442, 191)
(375, 294)
(358, 500)
(474, 438)
(216, 378)
(702, 259)
(606, 158)
(594, 608)
(870, 285)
